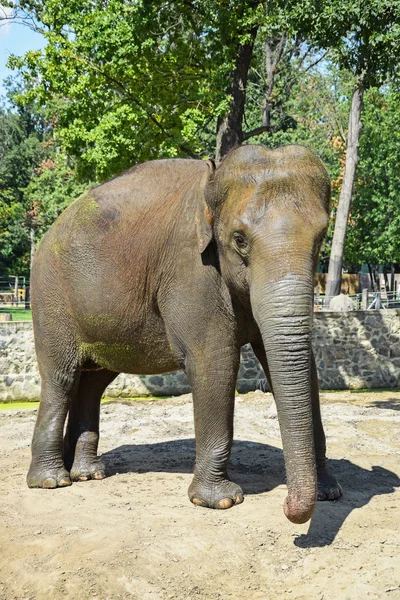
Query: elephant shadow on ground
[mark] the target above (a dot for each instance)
(259, 468)
(389, 404)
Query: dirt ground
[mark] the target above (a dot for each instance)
(136, 536)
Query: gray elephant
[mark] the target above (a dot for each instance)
(177, 264)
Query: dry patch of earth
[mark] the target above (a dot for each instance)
(136, 536)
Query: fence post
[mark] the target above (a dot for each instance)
(364, 302)
(27, 297)
(378, 301)
(16, 290)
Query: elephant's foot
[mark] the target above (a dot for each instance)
(40, 476)
(222, 494)
(328, 486)
(85, 469)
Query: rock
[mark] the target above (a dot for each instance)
(341, 302)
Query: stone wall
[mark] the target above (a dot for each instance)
(357, 349)
(353, 350)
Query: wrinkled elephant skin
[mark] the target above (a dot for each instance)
(177, 264)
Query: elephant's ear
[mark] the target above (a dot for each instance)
(204, 217)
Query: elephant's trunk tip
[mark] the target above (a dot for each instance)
(299, 509)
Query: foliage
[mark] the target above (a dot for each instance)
(373, 235)
(50, 191)
(13, 238)
(36, 181)
(131, 81)
(362, 35)
(21, 151)
(121, 81)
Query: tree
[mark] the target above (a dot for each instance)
(134, 81)
(123, 82)
(120, 77)
(36, 180)
(155, 73)
(364, 38)
(21, 151)
(373, 235)
(53, 187)
(162, 73)
(230, 124)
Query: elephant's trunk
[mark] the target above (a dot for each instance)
(283, 312)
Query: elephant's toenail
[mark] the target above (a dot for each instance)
(99, 475)
(224, 503)
(84, 477)
(199, 502)
(64, 482)
(239, 499)
(50, 483)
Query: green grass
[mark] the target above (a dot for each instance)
(18, 405)
(32, 405)
(134, 399)
(362, 391)
(18, 314)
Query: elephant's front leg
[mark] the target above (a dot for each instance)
(328, 486)
(213, 380)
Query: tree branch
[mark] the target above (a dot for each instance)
(256, 131)
(313, 64)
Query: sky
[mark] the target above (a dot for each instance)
(15, 39)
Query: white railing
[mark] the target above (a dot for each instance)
(365, 301)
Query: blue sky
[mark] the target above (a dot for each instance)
(16, 39)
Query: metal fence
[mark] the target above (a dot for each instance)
(14, 293)
(366, 300)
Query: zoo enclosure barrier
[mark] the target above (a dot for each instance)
(365, 300)
(14, 292)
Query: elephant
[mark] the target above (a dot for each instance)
(176, 264)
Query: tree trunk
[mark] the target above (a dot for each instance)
(273, 49)
(230, 126)
(32, 238)
(392, 279)
(371, 278)
(374, 277)
(343, 210)
(385, 277)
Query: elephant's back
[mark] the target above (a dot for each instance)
(143, 200)
(109, 250)
(148, 185)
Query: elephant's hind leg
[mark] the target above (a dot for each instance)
(82, 435)
(47, 468)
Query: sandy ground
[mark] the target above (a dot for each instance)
(136, 536)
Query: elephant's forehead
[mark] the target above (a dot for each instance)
(258, 192)
(285, 180)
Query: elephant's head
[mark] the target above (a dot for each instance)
(268, 212)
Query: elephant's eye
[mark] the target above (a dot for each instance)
(240, 241)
